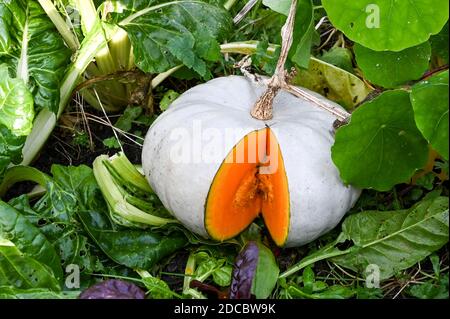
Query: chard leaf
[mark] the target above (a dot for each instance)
(9, 292)
(10, 148)
(33, 50)
(28, 239)
(16, 104)
(165, 35)
(16, 117)
(20, 271)
(55, 213)
(132, 248)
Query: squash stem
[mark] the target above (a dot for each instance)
(264, 106)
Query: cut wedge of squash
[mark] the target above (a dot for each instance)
(250, 182)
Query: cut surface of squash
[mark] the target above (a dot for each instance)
(250, 182)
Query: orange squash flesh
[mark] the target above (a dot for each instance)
(250, 182)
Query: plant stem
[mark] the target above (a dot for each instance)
(117, 204)
(124, 167)
(67, 34)
(309, 261)
(245, 10)
(88, 14)
(45, 121)
(229, 4)
(18, 174)
(157, 80)
(263, 107)
(249, 48)
(245, 47)
(92, 44)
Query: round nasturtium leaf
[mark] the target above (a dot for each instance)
(429, 99)
(392, 25)
(390, 69)
(381, 146)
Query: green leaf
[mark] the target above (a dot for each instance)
(391, 69)
(381, 146)
(391, 240)
(157, 288)
(132, 248)
(333, 292)
(222, 276)
(28, 239)
(55, 216)
(16, 104)
(431, 289)
(10, 148)
(111, 142)
(130, 114)
(339, 57)
(167, 99)
(9, 292)
(436, 265)
(429, 99)
(308, 279)
(303, 29)
(165, 35)
(332, 82)
(20, 271)
(300, 52)
(33, 50)
(387, 25)
(76, 180)
(266, 274)
(368, 293)
(280, 6)
(439, 44)
(395, 240)
(207, 265)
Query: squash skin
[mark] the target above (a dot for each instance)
(318, 198)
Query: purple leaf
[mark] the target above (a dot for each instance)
(244, 271)
(113, 289)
